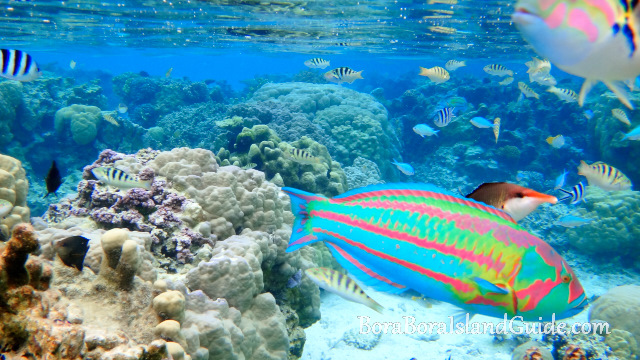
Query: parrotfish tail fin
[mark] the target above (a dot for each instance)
(584, 90)
(359, 270)
(301, 234)
(618, 89)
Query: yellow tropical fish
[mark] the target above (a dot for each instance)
(341, 285)
(527, 91)
(621, 115)
(343, 74)
(604, 176)
(596, 40)
(556, 141)
(496, 128)
(436, 74)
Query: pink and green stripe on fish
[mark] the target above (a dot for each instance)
(446, 247)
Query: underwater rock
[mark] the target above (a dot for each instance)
(14, 188)
(623, 345)
(617, 215)
(620, 307)
(362, 341)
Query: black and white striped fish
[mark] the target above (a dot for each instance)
(341, 285)
(343, 74)
(302, 156)
(118, 178)
(444, 117)
(18, 65)
(576, 194)
(497, 70)
(317, 63)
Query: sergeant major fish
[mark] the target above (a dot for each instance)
(396, 237)
(316, 63)
(444, 117)
(566, 95)
(621, 115)
(302, 156)
(341, 285)
(453, 65)
(118, 178)
(604, 176)
(497, 70)
(527, 91)
(436, 74)
(343, 74)
(576, 194)
(18, 65)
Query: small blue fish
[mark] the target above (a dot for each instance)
(481, 122)
(560, 180)
(572, 221)
(425, 130)
(404, 167)
(633, 134)
(588, 114)
(576, 194)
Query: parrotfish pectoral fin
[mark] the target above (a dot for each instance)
(584, 90)
(618, 89)
(486, 286)
(362, 272)
(301, 234)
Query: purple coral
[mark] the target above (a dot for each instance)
(136, 198)
(164, 218)
(174, 201)
(146, 174)
(185, 240)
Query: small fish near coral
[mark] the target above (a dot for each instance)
(604, 176)
(342, 286)
(404, 167)
(444, 117)
(560, 180)
(572, 221)
(53, 180)
(436, 74)
(18, 65)
(425, 130)
(72, 250)
(515, 200)
(633, 134)
(497, 70)
(453, 65)
(343, 74)
(556, 141)
(302, 156)
(576, 194)
(118, 178)
(316, 63)
(396, 237)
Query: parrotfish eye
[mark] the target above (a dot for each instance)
(566, 279)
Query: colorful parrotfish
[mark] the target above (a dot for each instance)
(396, 237)
(596, 40)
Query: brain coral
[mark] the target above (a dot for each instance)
(82, 121)
(620, 307)
(617, 215)
(348, 123)
(13, 188)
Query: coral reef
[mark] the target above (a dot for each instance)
(81, 120)
(13, 188)
(348, 123)
(623, 345)
(620, 307)
(262, 146)
(363, 341)
(531, 350)
(10, 100)
(363, 172)
(617, 215)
